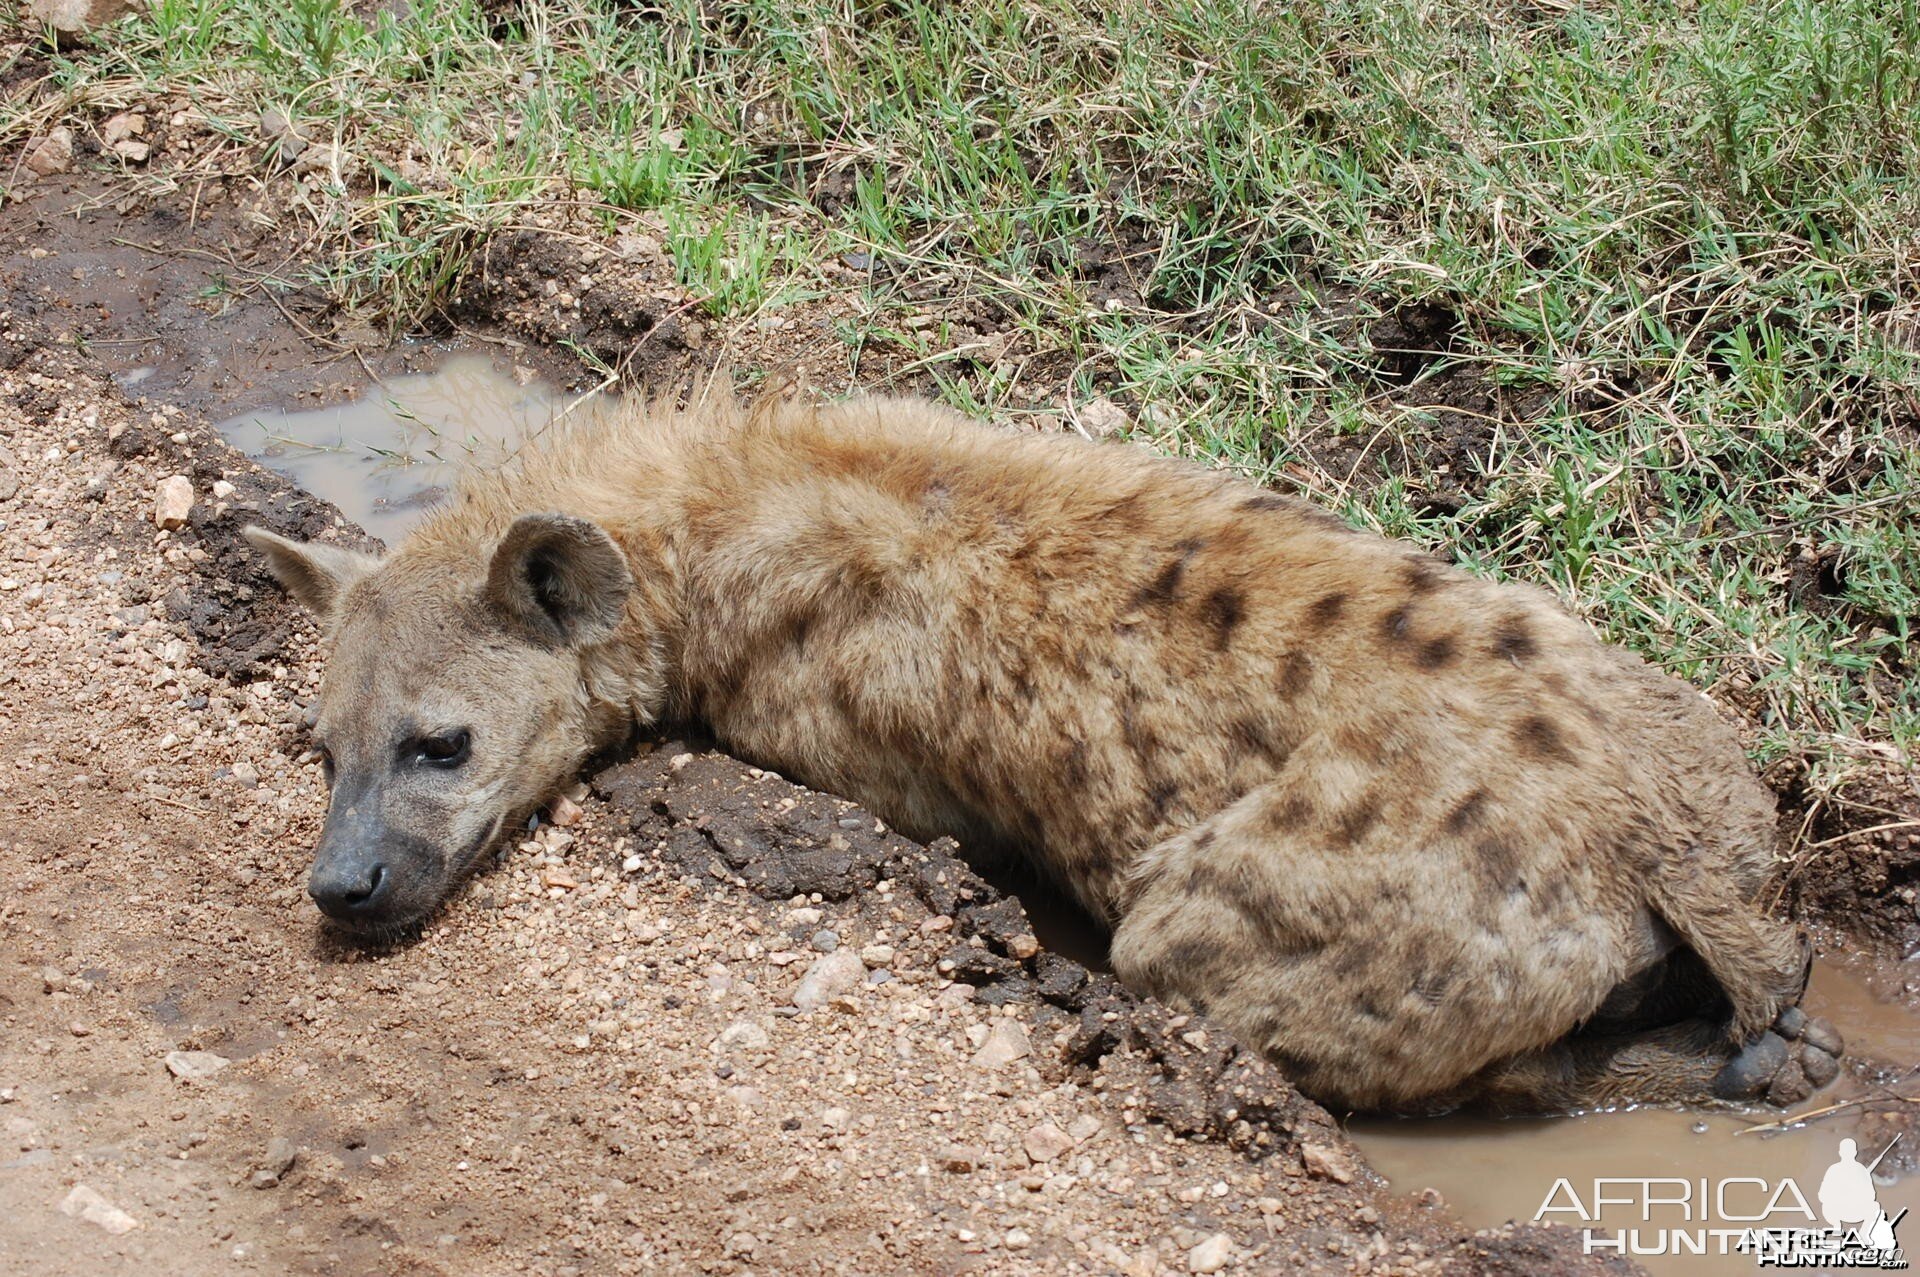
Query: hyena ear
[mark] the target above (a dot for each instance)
(560, 579)
(314, 573)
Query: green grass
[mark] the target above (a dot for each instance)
(1678, 242)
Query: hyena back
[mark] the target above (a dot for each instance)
(1419, 837)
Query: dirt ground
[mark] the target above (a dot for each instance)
(593, 1061)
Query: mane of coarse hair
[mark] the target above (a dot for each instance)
(600, 466)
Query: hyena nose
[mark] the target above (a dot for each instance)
(350, 889)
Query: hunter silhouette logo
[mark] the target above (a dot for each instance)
(1858, 1233)
(1773, 1221)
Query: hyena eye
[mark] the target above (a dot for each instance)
(449, 749)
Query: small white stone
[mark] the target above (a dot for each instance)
(1006, 1042)
(222, 489)
(746, 1035)
(195, 1066)
(85, 1202)
(564, 811)
(173, 501)
(1102, 417)
(53, 154)
(1046, 1142)
(833, 974)
(1211, 1255)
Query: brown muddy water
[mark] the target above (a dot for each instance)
(1493, 1170)
(384, 457)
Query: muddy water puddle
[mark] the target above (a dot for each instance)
(1490, 1171)
(386, 456)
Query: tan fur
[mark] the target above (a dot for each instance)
(1404, 829)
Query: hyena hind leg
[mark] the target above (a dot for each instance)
(1691, 1062)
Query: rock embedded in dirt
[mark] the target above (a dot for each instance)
(1211, 1255)
(957, 1159)
(77, 17)
(564, 812)
(1006, 1042)
(173, 502)
(831, 975)
(746, 1035)
(1324, 1161)
(85, 1202)
(277, 1163)
(195, 1066)
(122, 126)
(1046, 1142)
(51, 154)
(1102, 417)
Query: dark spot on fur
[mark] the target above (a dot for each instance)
(1325, 610)
(1512, 641)
(1435, 653)
(1353, 959)
(1430, 986)
(937, 497)
(1362, 740)
(1223, 611)
(1023, 685)
(799, 627)
(1179, 963)
(1295, 1068)
(1268, 501)
(1252, 739)
(1289, 814)
(1502, 860)
(1165, 587)
(1539, 738)
(1372, 1005)
(1393, 626)
(1124, 514)
(1423, 575)
(1203, 840)
(1074, 766)
(1138, 739)
(1467, 812)
(1357, 819)
(1296, 671)
(1160, 794)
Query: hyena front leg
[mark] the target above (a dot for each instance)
(1691, 1062)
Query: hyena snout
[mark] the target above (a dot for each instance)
(369, 876)
(349, 887)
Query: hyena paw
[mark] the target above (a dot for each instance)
(1815, 1042)
(1754, 1068)
(1784, 1065)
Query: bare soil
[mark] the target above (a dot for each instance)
(579, 1067)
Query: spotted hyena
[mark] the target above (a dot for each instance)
(1418, 836)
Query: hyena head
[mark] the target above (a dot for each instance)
(454, 701)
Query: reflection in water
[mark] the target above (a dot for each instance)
(1491, 1171)
(386, 457)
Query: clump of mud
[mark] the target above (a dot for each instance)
(723, 823)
